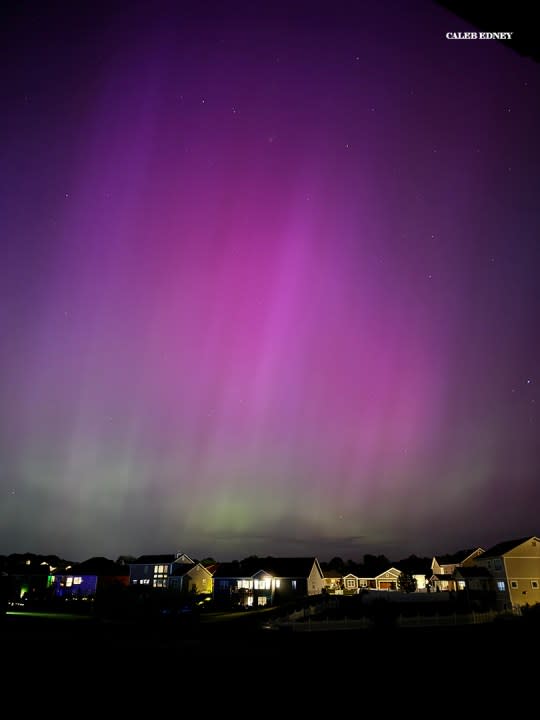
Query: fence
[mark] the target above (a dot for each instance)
(401, 621)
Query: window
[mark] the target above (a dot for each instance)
(514, 584)
(77, 580)
(534, 584)
(501, 587)
(69, 581)
(261, 601)
(293, 584)
(278, 583)
(351, 583)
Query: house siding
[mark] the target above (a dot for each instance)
(315, 581)
(523, 566)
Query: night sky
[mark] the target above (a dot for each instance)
(269, 280)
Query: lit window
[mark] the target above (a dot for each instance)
(534, 584)
(204, 581)
(501, 587)
(293, 584)
(69, 581)
(77, 580)
(261, 601)
(514, 584)
(278, 583)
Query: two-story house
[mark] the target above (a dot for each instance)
(515, 568)
(444, 566)
(155, 570)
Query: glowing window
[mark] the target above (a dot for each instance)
(77, 580)
(278, 583)
(501, 587)
(69, 581)
(262, 601)
(293, 584)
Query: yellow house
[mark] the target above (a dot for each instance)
(444, 566)
(515, 568)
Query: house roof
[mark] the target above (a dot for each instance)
(456, 558)
(155, 559)
(277, 567)
(180, 569)
(393, 571)
(442, 576)
(503, 547)
(473, 572)
(97, 566)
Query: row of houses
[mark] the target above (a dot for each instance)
(509, 570)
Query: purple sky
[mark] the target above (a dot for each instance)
(269, 281)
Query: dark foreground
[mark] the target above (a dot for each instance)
(234, 638)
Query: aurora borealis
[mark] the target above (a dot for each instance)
(269, 281)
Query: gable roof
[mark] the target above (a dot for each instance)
(456, 558)
(393, 571)
(503, 547)
(180, 569)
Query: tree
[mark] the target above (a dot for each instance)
(406, 582)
